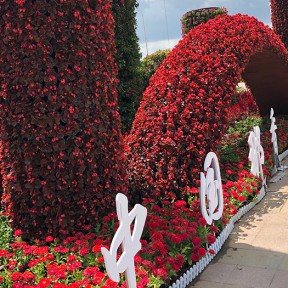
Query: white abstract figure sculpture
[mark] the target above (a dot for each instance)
(273, 129)
(130, 244)
(211, 188)
(256, 153)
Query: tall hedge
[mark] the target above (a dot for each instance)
(193, 18)
(128, 60)
(279, 17)
(183, 112)
(61, 148)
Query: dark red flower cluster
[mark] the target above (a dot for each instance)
(183, 112)
(173, 228)
(62, 155)
(243, 106)
(279, 17)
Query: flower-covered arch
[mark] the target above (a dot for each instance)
(183, 112)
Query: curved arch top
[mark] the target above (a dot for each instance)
(183, 111)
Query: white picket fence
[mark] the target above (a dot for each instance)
(197, 268)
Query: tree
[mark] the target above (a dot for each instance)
(128, 59)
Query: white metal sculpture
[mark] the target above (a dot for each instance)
(256, 153)
(273, 129)
(130, 244)
(211, 189)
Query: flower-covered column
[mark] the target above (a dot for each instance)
(62, 152)
(279, 17)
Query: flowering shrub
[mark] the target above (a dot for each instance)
(243, 105)
(193, 18)
(279, 17)
(128, 60)
(183, 113)
(61, 149)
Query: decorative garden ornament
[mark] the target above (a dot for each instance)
(130, 244)
(273, 129)
(256, 153)
(211, 193)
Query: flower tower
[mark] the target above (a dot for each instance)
(279, 17)
(193, 18)
(61, 152)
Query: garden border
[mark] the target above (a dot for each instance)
(283, 155)
(197, 268)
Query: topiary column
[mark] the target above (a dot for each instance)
(61, 148)
(128, 59)
(193, 18)
(279, 17)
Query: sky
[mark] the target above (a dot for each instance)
(159, 25)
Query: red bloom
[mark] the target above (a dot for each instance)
(16, 276)
(3, 252)
(28, 276)
(18, 232)
(179, 260)
(201, 252)
(241, 198)
(180, 203)
(49, 239)
(195, 257)
(98, 278)
(202, 221)
(161, 272)
(196, 240)
(210, 238)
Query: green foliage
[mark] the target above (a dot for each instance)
(235, 140)
(6, 232)
(243, 127)
(128, 59)
(150, 64)
(193, 18)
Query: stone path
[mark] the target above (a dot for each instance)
(256, 253)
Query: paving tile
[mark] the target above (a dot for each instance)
(254, 258)
(235, 241)
(280, 280)
(217, 272)
(273, 242)
(208, 284)
(284, 264)
(252, 277)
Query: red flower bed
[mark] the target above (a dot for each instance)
(62, 152)
(244, 105)
(279, 17)
(183, 112)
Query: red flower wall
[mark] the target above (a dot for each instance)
(279, 17)
(62, 152)
(184, 110)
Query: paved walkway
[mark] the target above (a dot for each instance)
(256, 253)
